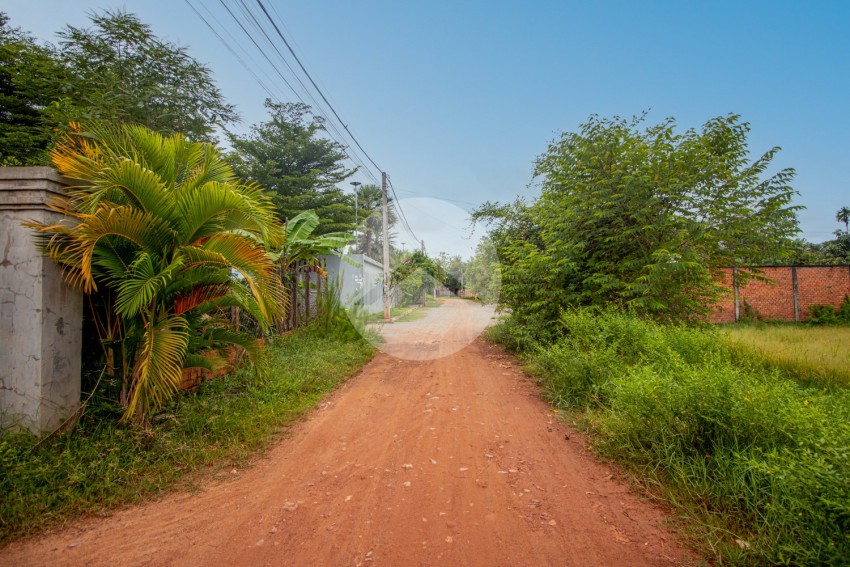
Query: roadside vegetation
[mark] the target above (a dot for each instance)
(607, 278)
(105, 464)
(191, 259)
(754, 461)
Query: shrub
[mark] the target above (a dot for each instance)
(829, 315)
(740, 447)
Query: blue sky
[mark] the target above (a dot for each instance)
(456, 99)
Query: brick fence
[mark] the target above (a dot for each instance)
(793, 290)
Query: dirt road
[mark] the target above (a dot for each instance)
(452, 460)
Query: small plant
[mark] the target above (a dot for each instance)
(829, 315)
(751, 314)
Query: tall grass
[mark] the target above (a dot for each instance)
(104, 464)
(758, 462)
(815, 354)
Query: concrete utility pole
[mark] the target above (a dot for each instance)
(386, 222)
(356, 184)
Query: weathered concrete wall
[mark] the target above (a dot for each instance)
(360, 283)
(40, 316)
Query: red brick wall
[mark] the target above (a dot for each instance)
(192, 377)
(816, 285)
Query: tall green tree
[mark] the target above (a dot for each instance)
(642, 216)
(483, 275)
(290, 157)
(120, 71)
(416, 274)
(370, 220)
(30, 79)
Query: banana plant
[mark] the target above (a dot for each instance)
(299, 244)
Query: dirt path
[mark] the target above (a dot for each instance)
(448, 461)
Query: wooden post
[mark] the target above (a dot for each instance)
(293, 294)
(308, 279)
(319, 288)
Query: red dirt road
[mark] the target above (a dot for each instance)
(447, 461)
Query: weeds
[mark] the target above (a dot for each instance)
(756, 460)
(104, 464)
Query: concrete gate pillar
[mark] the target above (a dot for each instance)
(40, 316)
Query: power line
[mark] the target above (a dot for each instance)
(230, 49)
(338, 138)
(256, 24)
(400, 210)
(331, 129)
(324, 98)
(335, 113)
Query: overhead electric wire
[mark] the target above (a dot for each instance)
(339, 136)
(263, 53)
(336, 114)
(256, 24)
(230, 49)
(331, 129)
(400, 210)
(321, 94)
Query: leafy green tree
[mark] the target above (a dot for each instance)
(370, 221)
(289, 157)
(302, 245)
(30, 79)
(121, 72)
(159, 226)
(483, 275)
(454, 267)
(416, 274)
(642, 218)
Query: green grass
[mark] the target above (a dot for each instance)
(745, 451)
(401, 309)
(103, 465)
(413, 316)
(394, 312)
(813, 354)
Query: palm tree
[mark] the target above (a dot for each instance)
(162, 227)
(843, 215)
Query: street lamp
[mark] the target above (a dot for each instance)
(356, 184)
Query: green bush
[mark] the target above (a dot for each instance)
(741, 448)
(829, 315)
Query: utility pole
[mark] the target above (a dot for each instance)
(356, 184)
(386, 222)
